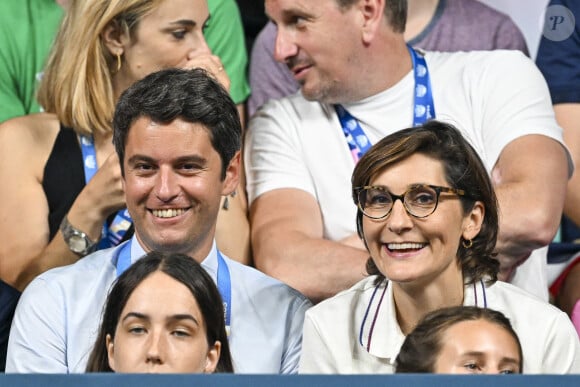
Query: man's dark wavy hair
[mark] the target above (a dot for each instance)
(192, 95)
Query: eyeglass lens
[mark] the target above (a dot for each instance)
(376, 203)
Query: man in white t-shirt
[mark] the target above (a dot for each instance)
(352, 53)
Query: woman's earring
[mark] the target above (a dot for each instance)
(118, 63)
(467, 243)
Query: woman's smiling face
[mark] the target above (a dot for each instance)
(406, 249)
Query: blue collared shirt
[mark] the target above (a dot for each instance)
(57, 318)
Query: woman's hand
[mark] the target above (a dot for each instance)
(101, 197)
(212, 64)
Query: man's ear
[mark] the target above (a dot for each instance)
(115, 38)
(372, 12)
(232, 177)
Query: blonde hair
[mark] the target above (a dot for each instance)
(77, 81)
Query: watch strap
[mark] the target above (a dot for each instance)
(73, 237)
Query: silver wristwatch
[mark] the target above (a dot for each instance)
(78, 242)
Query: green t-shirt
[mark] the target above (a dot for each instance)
(28, 27)
(225, 37)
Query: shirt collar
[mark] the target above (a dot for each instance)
(386, 337)
(475, 295)
(210, 262)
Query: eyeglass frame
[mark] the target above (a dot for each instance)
(437, 188)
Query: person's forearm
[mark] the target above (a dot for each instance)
(522, 228)
(530, 183)
(288, 242)
(317, 268)
(57, 253)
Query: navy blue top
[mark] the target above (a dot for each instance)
(8, 299)
(559, 61)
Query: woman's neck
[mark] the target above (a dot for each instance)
(102, 139)
(414, 301)
(419, 14)
(103, 146)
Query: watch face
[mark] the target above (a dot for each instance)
(77, 243)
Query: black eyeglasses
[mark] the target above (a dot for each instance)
(420, 200)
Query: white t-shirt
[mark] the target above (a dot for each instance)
(334, 330)
(492, 97)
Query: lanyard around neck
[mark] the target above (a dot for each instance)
(225, 288)
(223, 279)
(423, 109)
(112, 235)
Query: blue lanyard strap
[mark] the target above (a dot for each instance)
(124, 258)
(357, 140)
(122, 221)
(423, 109)
(223, 279)
(225, 289)
(89, 157)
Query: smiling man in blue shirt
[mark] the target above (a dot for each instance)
(177, 134)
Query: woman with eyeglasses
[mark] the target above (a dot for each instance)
(428, 215)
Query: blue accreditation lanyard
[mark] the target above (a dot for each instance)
(124, 258)
(223, 279)
(112, 235)
(357, 140)
(225, 288)
(372, 322)
(423, 109)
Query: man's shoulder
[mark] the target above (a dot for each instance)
(257, 282)
(252, 275)
(87, 270)
(57, 316)
(475, 11)
(475, 57)
(481, 66)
